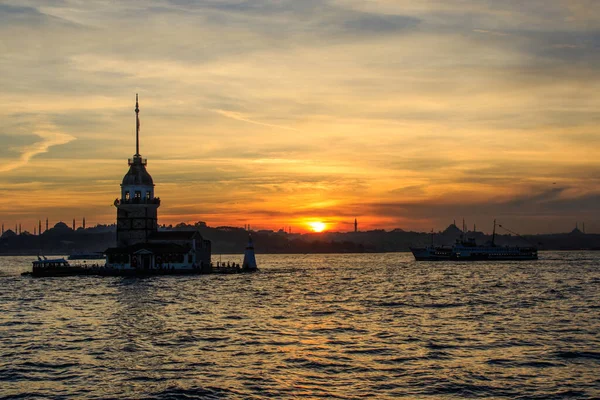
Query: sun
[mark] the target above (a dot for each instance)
(317, 226)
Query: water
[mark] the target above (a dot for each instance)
(308, 326)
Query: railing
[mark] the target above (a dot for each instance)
(137, 160)
(137, 200)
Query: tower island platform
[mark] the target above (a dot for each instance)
(141, 248)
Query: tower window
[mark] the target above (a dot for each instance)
(126, 195)
(147, 195)
(138, 194)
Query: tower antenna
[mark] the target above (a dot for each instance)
(137, 127)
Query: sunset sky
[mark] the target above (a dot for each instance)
(402, 113)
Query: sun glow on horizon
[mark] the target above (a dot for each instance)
(317, 226)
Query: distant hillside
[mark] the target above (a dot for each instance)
(232, 240)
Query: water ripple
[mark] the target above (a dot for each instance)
(308, 326)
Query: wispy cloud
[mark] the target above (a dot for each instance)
(490, 32)
(49, 138)
(242, 117)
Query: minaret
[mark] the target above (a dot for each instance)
(46, 225)
(249, 263)
(355, 225)
(73, 223)
(39, 226)
(137, 209)
(83, 225)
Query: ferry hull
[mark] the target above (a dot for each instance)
(447, 254)
(427, 254)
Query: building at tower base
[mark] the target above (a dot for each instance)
(166, 250)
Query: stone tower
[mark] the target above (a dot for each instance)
(137, 209)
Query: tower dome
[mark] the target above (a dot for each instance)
(137, 174)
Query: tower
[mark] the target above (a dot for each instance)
(83, 224)
(137, 209)
(355, 225)
(73, 223)
(39, 226)
(46, 225)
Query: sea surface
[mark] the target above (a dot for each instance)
(377, 326)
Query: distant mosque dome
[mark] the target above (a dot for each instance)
(452, 229)
(9, 233)
(137, 175)
(61, 226)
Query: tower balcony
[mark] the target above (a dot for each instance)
(138, 200)
(137, 161)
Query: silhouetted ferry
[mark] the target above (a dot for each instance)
(466, 249)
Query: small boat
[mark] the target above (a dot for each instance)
(43, 262)
(466, 249)
(56, 267)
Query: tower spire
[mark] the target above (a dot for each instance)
(137, 127)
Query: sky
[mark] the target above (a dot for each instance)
(400, 113)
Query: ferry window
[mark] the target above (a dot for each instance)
(126, 195)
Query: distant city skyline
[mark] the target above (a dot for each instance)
(76, 224)
(301, 113)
